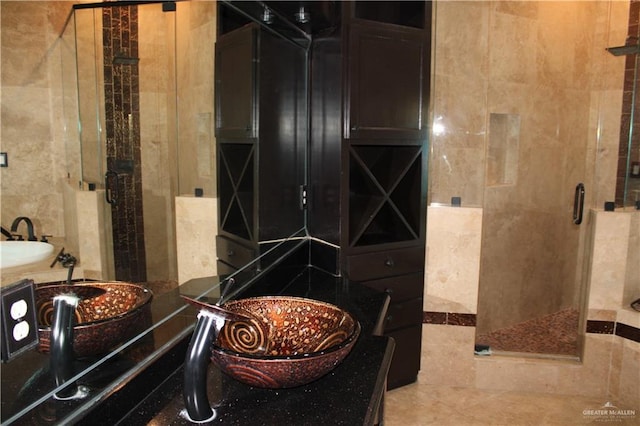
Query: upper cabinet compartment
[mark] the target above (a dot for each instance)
(235, 84)
(386, 89)
(405, 13)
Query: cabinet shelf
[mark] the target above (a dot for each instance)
(384, 194)
(236, 188)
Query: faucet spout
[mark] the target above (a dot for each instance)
(31, 233)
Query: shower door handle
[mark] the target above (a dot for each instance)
(111, 187)
(578, 204)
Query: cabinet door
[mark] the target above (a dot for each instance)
(387, 82)
(405, 364)
(235, 84)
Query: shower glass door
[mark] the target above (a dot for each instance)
(126, 59)
(524, 106)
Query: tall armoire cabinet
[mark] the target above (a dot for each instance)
(261, 133)
(368, 166)
(363, 102)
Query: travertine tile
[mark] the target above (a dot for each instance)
(196, 251)
(422, 404)
(452, 264)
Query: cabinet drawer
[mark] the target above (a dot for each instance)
(400, 288)
(370, 266)
(403, 314)
(233, 253)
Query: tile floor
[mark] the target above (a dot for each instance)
(556, 333)
(420, 404)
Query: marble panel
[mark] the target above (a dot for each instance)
(92, 250)
(628, 384)
(196, 227)
(447, 355)
(591, 377)
(452, 260)
(513, 53)
(609, 259)
(462, 35)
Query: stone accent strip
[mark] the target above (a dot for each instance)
(449, 318)
(600, 327)
(628, 332)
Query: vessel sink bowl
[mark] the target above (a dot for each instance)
(18, 253)
(119, 312)
(289, 342)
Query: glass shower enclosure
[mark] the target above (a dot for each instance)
(140, 121)
(526, 126)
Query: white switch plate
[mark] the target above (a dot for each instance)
(4, 159)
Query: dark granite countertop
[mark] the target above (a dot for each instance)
(351, 394)
(150, 392)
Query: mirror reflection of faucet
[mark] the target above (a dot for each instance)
(30, 231)
(67, 260)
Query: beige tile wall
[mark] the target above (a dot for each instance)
(452, 262)
(609, 367)
(195, 220)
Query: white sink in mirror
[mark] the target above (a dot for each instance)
(18, 253)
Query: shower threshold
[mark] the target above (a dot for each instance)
(530, 355)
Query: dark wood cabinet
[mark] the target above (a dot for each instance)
(261, 133)
(235, 84)
(385, 83)
(368, 91)
(368, 162)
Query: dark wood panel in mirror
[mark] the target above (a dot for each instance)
(262, 131)
(235, 115)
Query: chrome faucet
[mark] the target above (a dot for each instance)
(16, 222)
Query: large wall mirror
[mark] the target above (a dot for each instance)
(141, 87)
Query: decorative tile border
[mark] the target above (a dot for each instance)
(601, 327)
(628, 332)
(611, 327)
(449, 318)
(593, 326)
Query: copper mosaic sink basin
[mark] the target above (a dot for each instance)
(118, 312)
(289, 342)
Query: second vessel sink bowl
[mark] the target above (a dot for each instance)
(119, 312)
(18, 253)
(292, 341)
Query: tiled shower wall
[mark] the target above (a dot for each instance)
(122, 123)
(610, 364)
(631, 79)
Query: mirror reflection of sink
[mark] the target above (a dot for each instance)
(18, 253)
(103, 319)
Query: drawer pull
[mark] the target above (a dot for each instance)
(389, 262)
(231, 253)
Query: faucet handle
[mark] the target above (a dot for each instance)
(44, 238)
(17, 237)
